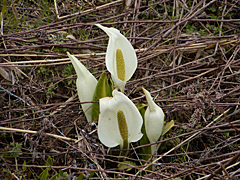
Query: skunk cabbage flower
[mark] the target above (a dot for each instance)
(121, 59)
(154, 118)
(86, 84)
(119, 121)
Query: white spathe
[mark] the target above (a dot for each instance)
(154, 119)
(108, 128)
(119, 41)
(86, 84)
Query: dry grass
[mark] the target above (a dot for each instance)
(188, 53)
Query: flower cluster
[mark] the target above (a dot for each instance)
(119, 120)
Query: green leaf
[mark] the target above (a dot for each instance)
(167, 127)
(54, 177)
(44, 175)
(80, 177)
(126, 165)
(49, 161)
(24, 168)
(141, 108)
(61, 172)
(103, 89)
(3, 10)
(91, 175)
(144, 140)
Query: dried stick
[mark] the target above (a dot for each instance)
(35, 132)
(87, 11)
(231, 161)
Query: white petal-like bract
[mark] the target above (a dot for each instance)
(117, 41)
(108, 128)
(154, 118)
(86, 84)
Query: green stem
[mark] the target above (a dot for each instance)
(125, 146)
